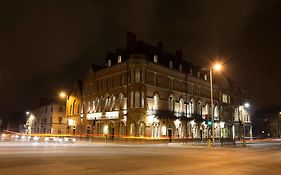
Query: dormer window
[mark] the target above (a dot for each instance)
(155, 59)
(171, 64)
(180, 68)
(109, 63)
(119, 59)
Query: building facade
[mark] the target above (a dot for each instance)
(147, 93)
(49, 118)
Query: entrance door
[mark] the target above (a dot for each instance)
(170, 135)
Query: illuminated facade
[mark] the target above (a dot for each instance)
(147, 93)
(47, 119)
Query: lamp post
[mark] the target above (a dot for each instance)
(215, 67)
(64, 96)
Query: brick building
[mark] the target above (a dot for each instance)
(146, 92)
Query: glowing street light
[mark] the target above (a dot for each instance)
(27, 112)
(62, 94)
(247, 105)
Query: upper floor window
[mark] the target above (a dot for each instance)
(109, 62)
(155, 101)
(137, 75)
(224, 98)
(119, 59)
(180, 68)
(181, 105)
(171, 103)
(171, 64)
(205, 77)
(137, 99)
(155, 59)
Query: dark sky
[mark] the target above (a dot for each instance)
(44, 46)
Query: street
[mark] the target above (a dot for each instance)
(100, 158)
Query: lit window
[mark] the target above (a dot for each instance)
(142, 99)
(224, 98)
(119, 59)
(171, 103)
(181, 105)
(192, 106)
(198, 74)
(155, 102)
(205, 77)
(109, 62)
(155, 59)
(180, 68)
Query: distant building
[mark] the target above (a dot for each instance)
(146, 92)
(48, 118)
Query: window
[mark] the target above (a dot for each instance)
(205, 77)
(132, 99)
(137, 75)
(112, 103)
(224, 98)
(109, 62)
(155, 102)
(60, 120)
(142, 99)
(199, 107)
(121, 101)
(132, 129)
(181, 105)
(180, 68)
(192, 108)
(198, 74)
(171, 64)
(119, 59)
(137, 99)
(171, 103)
(155, 59)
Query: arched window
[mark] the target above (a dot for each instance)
(97, 104)
(132, 99)
(155, 102)
(181, 104)
(121, 101)
(155, 59)
(191, 105)
(112, 105)
(216, 112)
(132, 129)
(207, 110)
(199, 107)
(142, 130)
(119, 59)
(121, 128)
(109, 62)
(171, 103)
(142, 99)
(137, 99)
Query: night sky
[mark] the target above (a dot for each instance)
(45, 46)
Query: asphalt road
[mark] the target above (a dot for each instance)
(60, 159)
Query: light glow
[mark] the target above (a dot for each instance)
(62, 94)
(247, 105)
(217, 66)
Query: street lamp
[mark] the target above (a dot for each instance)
(64, 96)
(215, 67)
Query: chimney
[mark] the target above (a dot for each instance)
(131, 41)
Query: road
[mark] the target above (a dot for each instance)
(97, 158)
